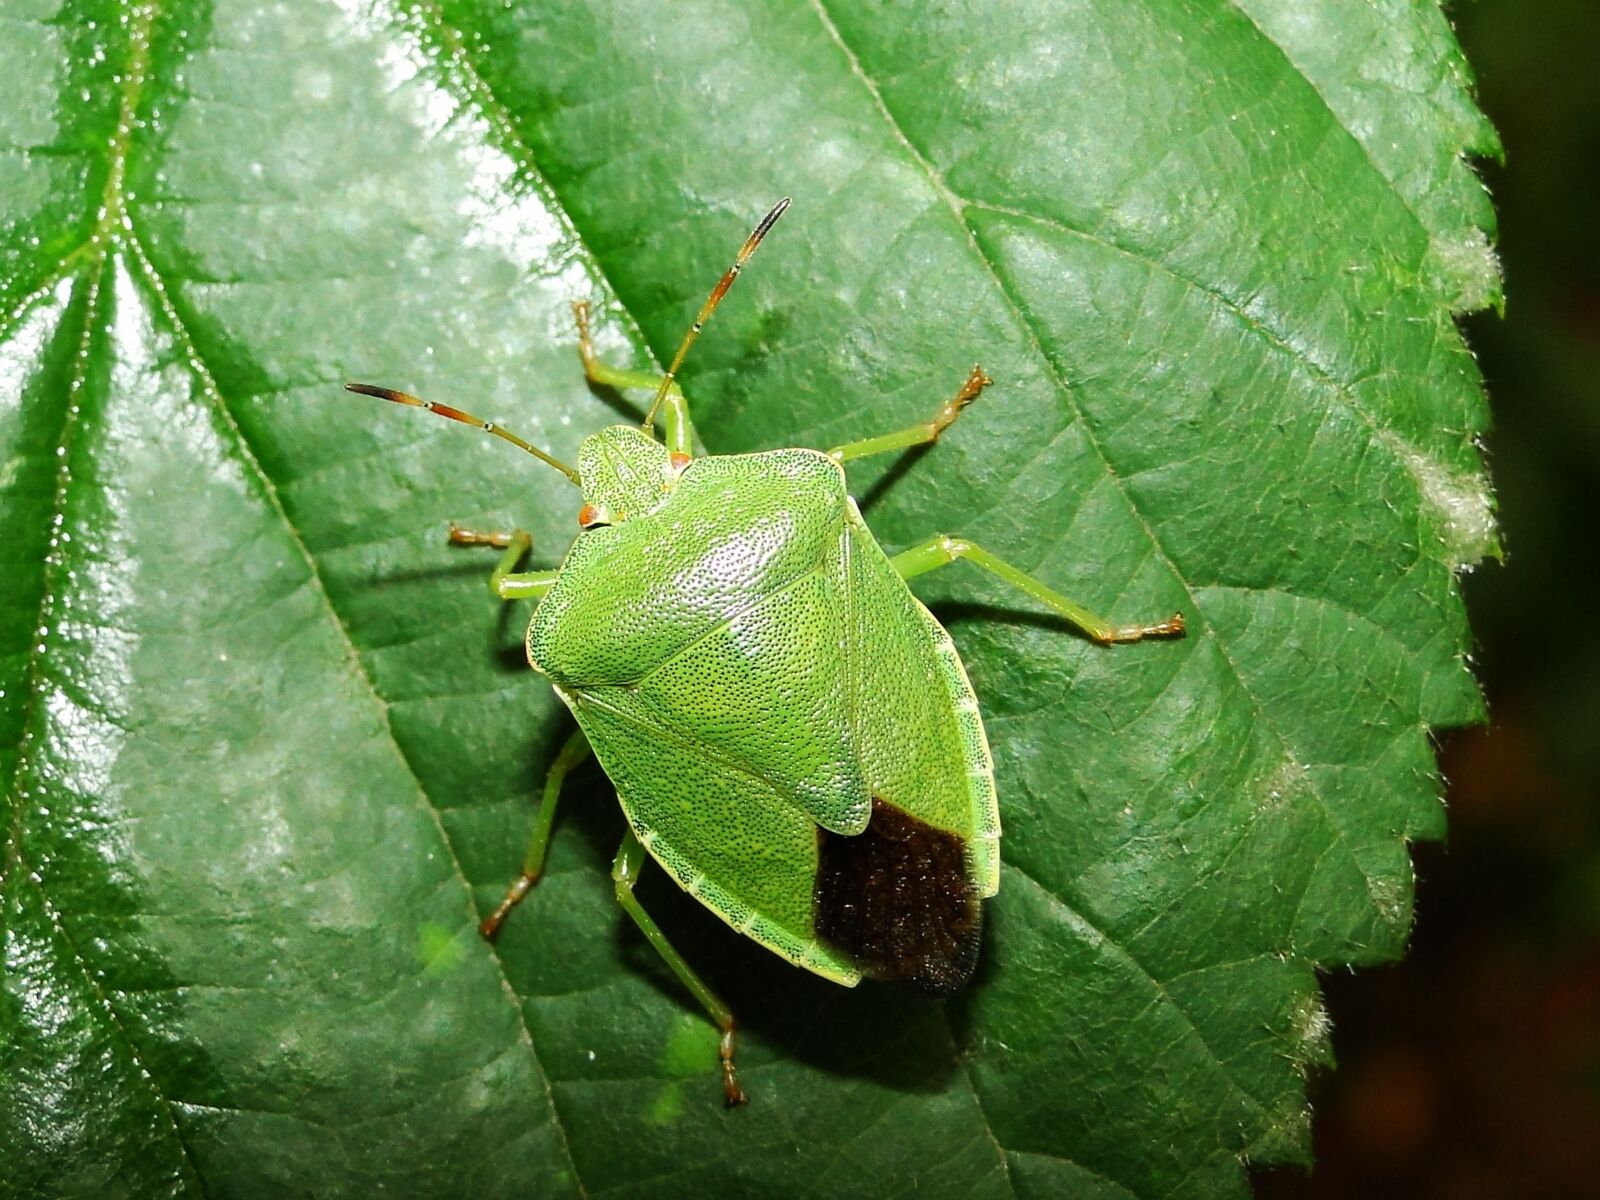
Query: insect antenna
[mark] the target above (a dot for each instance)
(455, 414)
(717, 293)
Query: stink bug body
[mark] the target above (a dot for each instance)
(791, 733)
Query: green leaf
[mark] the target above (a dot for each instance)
(269, 749)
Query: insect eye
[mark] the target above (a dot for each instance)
(589, 516)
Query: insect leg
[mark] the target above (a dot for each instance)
(916, 435)
(625, 874)
(573, 752)
(940, 550)
(675, 410)
(526, 585)
(499, 539)
(505, 582)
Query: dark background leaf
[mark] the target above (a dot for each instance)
(269, 742)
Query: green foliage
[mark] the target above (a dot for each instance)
(268, 749)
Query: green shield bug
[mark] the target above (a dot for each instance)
(791, 734)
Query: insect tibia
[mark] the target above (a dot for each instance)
(946, 416)
(1172, 627)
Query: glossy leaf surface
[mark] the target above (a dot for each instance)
(268, 749)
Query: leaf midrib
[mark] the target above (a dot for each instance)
(16, 865)
(110, 214)
(115, 230)
(212, 390)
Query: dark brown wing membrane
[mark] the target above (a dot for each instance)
(897, 900)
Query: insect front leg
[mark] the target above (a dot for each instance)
(460, 535)
(572, 753)
(505, 582)
(940, 550)
(916, 435)
(625, 870)
(678, 430)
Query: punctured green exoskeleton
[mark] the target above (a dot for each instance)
(791, 734)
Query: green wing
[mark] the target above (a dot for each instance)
(710, 751)
(916, 726)
(730, 839)
(767, 692)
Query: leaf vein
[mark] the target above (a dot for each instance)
(1327, 104)
(1321, 373)
(15, 864)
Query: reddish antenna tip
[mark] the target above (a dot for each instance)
(383, 393)
(771, 219)
(466, 418)
(717, 293)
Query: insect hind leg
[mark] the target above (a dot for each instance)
(941, 550)
(625, 870)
